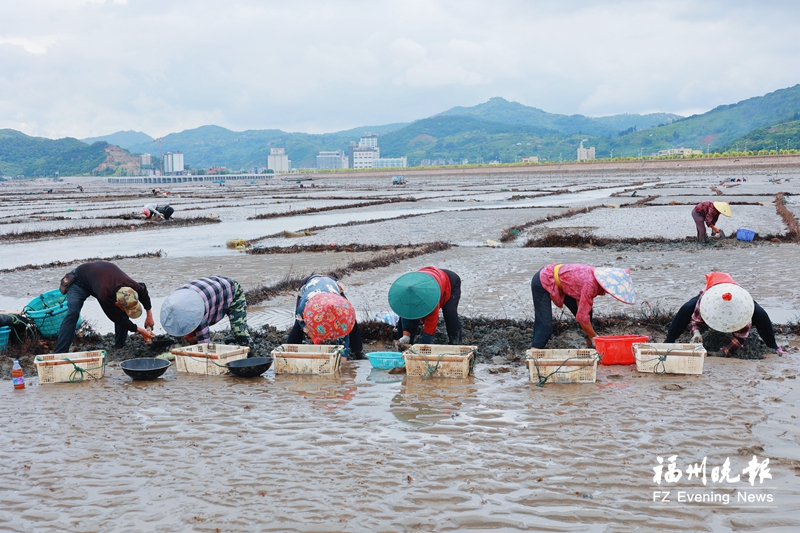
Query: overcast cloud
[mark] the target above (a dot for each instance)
(83, 68)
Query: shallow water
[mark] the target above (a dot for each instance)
(360, 452)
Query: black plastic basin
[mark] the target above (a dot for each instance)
(145, 369)
(250, 368)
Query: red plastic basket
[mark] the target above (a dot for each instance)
(618, 350)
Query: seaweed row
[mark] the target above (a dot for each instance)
(309, 210)
(106, 228)
(56, 264)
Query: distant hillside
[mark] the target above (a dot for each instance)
(715, 129)
(36, 156)
(781, 136)
(123, 139)
(505, 112)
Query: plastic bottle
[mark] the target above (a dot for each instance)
(17, 376)
(389, 318)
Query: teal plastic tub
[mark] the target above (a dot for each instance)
(47, 311)
(386, 360)
(5, 331)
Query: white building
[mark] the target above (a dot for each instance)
(172, 163)
(368, 140)
(585, 154)
(390, 162)
(332, 159)
(683, 152)
(278, 161)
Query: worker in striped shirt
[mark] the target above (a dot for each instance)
(191, 310)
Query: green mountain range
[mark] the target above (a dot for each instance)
(495, 130)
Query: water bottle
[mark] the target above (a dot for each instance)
(17, 376)
(389, 318)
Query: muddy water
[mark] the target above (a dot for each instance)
(362, 452)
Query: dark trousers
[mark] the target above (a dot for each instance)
(700, 222)
(449, 312)
(167, 212)
(352, 341)
(683, 317)
(76, 295)
(543, 312)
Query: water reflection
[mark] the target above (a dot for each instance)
(424, 402)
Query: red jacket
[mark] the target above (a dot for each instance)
(429, 322)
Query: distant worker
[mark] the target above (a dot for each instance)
(323, 313)
(723, 306)
(152, 211)
(575, 286)
(707, 214)
(193, 308)
(120, 297)
(419, 296)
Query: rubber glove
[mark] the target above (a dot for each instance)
(405, 339)
(697, 338)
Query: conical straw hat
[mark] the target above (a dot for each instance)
(726, 307)
(724, 208)
(617, 282)
(414, 295)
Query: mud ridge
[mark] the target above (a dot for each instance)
(577, 240)
(108, 228)
(56, 264)
(300, 248)
(290, 283)
(309, 210)
(788, 217)
(510, 234)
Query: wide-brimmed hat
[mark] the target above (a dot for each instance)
(724, 208)
(617, 282)
(182, 312)
(414, 295)
(128, 300)
(328, 316)
(726, 307)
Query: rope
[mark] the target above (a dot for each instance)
(81, 372)
(661, 358)
(542, 379)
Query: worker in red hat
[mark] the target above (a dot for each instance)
(723, 306)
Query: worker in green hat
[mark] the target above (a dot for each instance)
(419, 296)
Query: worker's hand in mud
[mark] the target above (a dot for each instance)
(149, 320)
(697, 338)
(589, 342)
(146, 335)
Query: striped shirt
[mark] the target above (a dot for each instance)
(738, 338)
(217, 293)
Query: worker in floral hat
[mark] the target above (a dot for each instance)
(723, 306)
(707, 214)
(323, 313)
(120, 297)
(575, 286)
(418, 296)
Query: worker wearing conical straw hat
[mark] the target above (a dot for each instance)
(707, 214)
(723, 306)
(419, 295)
(575, 286)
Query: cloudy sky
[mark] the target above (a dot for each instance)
(83, 68)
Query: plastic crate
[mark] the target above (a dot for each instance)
(207, 358)
(617, 350)
(440, 360)
(47, 311)
(5, 332)
(562, 366)
(663, 358)
(744, 234)
(70, 367)
(321, 359)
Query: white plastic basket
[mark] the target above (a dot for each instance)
(207, 358)
(664, 358)
(321, 359)
(70, 367)
(562, 366)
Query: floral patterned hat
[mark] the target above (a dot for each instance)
(726, 307)
(328, 316)
(617, 282)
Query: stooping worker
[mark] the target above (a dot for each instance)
(723, 306)
(419, 296)
(157, 211)
(575, 286)
(707, 214)
(324, 314)
(193, 308)
(120, 297)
